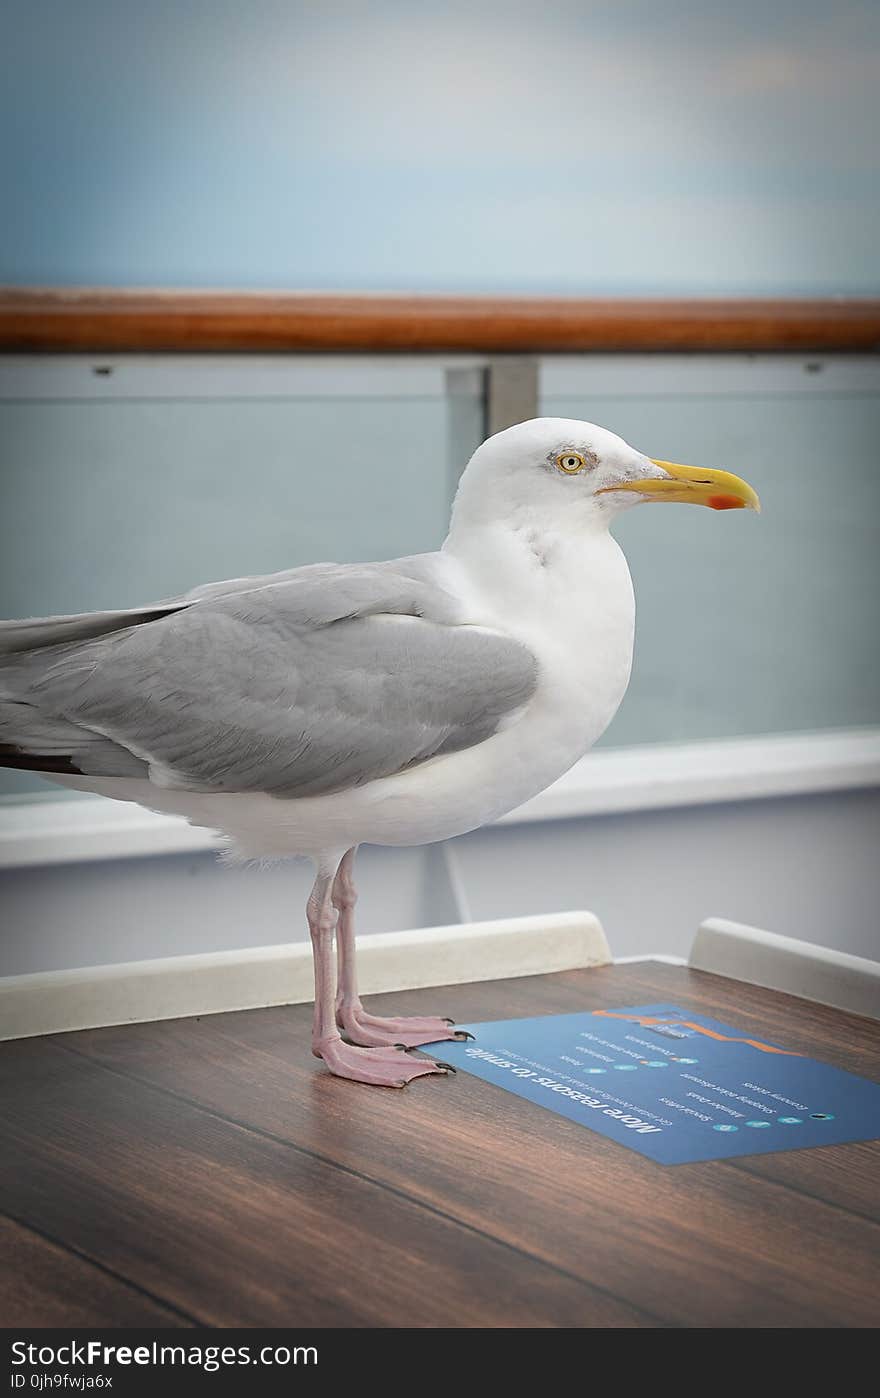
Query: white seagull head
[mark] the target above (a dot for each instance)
(564, 474)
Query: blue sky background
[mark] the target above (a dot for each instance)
(635, 146)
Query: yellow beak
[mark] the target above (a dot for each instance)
(694, 485)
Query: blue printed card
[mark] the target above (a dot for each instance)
(672, 1084)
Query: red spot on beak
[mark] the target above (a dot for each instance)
(724, 502)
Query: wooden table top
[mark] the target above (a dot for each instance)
(211, 1172)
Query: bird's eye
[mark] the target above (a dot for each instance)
(570, 462)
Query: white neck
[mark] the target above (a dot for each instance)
(522, 561)
(568, 597)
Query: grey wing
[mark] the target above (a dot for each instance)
(329, 678)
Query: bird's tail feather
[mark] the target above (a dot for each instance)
(36, 742)
(32, 737)
(34, 633)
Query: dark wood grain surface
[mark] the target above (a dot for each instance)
(209, 1171)
(42, 1278)
(111, 320)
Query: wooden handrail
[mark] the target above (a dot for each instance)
(87, 319)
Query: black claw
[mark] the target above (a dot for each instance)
(463, 1034)
(405, 1047)
(448, 1066)
(447, 1020)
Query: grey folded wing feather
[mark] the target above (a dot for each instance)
(297, 685)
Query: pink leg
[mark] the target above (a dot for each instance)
(351, 1016)
(386, 1067)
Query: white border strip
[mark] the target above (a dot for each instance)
(52, 1002)
(607, 782)
(665, 775)
(54, 377)
(37, 377)
(701, 375)
(796, 967)
(663, 957)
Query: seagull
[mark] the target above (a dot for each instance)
(393, 703)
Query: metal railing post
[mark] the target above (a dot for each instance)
(511, 392)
